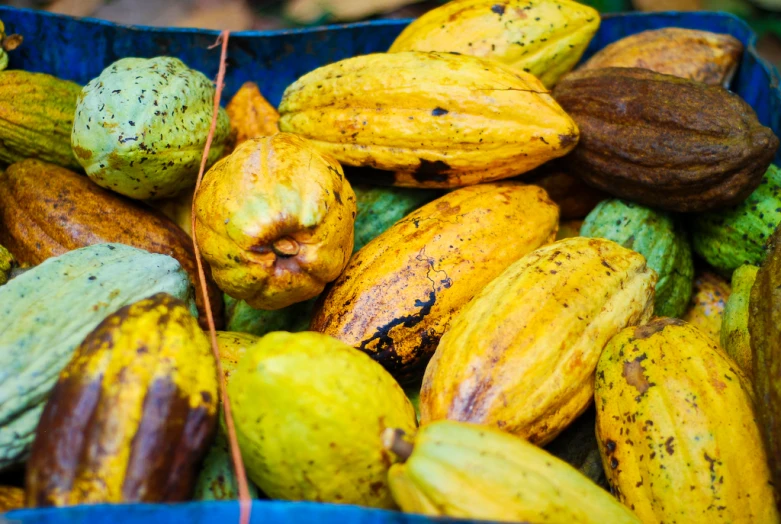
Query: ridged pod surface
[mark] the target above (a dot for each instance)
(664, 141)
(251, 116)
(398, 294)
(521, 355)
(324, 445)
(132, 413)
(47, 210)
(473, 472)
(36, 116)
(738, 235)
(703, 56)
(141, 127)
(659, 238)
(671, 410)
(436, 119)
(275, 220)
(543, 37)
(735, 338)
(764, 327)
(216, 479)
(11, 498)
(709, 298)
(48, 310)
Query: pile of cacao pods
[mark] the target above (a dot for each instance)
(514, 237)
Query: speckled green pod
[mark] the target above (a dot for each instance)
(656, 236)
(141, 127)
(7, 263)
(734, 326)
(731, 237)
(216, 480)
(48, 310)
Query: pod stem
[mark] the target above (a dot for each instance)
(285, 247)
(394, 441)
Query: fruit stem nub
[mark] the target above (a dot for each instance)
(393, 440)
(285, 247)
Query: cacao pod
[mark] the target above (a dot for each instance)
(178, 209)
(250, 115)
(671, 406)
(521, 355)
(577, 446)
(731, 237)
(141, 127)
(325, 445)
(242, 318)
(659, 238)
(48, 310)
(664, 141)
(7, 262)
(734, 334)
(36, 116)
(437, 119)
(11, 498)
(78, 213)
(709, 298)
(468, 471)
(132, 413)
(274, 220)
(543, 37)
(569, 229)
(764, 327)
(398, 294)
(574, 197)
(703, 56)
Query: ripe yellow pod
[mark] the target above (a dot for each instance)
(677, 432)
(397, 295)
(251, 116)
(521, 355)
(274, 219)
(543, 37)
(436, 119)
(709, 299)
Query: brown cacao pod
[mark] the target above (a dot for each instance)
(664, 141)
(47, 210)
(132, 413)
(707, 57)
(574, 197)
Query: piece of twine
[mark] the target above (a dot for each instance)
(245, 501)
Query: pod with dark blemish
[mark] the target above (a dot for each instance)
(677, 431)
(131, 414)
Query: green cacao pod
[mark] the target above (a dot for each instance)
(36, 116)
(734, 325)
(655, 235)
(48, 310)
(738, 235)
(132, 413)
(141, 127)
(764, 327)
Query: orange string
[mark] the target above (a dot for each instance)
(245, 502)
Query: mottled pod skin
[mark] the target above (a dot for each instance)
(46, 210)
(11, 498)
(735, 338)
(473, 472)
(543, 37)
(664, 141)
(521, 355)
(323, 445)
(141, 126)
(251, 116)
(274, 219)
(36, 116)
(132, 413)
(657, 236)
(398, 294)
(436, 119)
(677, 432)
(709, 298)
(764, 326)
(703, 56)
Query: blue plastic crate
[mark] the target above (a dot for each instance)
(79, 49)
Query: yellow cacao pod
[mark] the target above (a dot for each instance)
(709, 298)
(676, 429)
(274, 219)
(398, 294)
(436, 119)
(543, 37)
(707, 57)
(521, 355)
(251, 116)
(11, 498)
